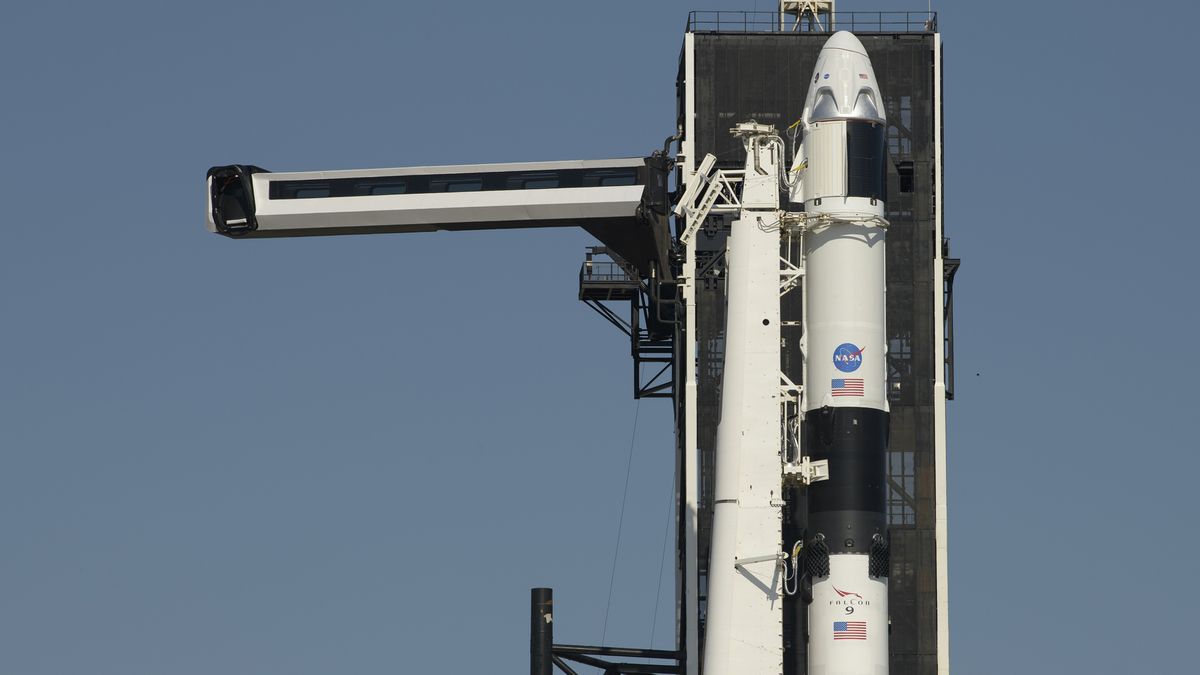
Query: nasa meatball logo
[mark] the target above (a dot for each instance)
(847, 357)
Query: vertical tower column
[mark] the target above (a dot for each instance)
(541, 631)
(743, 633)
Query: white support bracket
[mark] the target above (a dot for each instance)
(790, 276)
(792, 394)
(807, 471)
(718, 194)
(700, 179)
(788, 388)
(791, 397)
(818, 12)
(776, 558)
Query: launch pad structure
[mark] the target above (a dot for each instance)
(660, 276)
(737, 66)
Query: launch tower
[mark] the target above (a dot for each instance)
(662, 275)
(738, 66)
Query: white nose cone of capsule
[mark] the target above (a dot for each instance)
(843, 84)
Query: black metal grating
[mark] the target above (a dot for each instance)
(880, 564)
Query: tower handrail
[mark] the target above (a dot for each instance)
(754, 21)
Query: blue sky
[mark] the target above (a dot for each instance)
(358, 454)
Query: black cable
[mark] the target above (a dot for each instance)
(620, 521)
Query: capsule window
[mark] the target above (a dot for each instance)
(866, 160)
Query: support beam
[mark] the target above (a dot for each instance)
(541, 631)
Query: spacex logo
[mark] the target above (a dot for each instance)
(847, 357)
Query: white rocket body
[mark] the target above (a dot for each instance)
(841, 183)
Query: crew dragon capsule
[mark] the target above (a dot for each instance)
(841, 180)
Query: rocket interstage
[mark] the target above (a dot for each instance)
(842, 183)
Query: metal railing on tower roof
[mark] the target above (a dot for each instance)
(771, 22)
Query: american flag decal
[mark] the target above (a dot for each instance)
(849, 630)
(847, 386)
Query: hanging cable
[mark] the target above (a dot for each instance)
(790, 176)
(663, 561)
(620, 521)
(791, 569)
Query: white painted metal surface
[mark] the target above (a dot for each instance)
(847, 632)
(691, 450)
(428, 211)
(843, 84)
(744, 632)
(425, 212)
(710, 191)
(940, 506)
(844, 322)
(826, 178)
